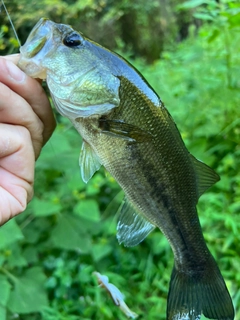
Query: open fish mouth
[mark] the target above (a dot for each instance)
(36, 42)
(36, 46)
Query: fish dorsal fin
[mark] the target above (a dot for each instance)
(206, 176)
(132, 228)
(88, 162)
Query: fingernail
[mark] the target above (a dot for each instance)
(15, 73)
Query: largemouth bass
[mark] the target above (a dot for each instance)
(126, 128)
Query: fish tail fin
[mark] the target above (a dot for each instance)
(202, 291)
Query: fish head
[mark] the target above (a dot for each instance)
(78, 71)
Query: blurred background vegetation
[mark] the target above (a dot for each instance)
(189, 52)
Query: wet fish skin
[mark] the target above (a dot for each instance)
(126, 128)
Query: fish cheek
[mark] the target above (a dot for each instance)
(97, 88)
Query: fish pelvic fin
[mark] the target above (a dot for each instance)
(88, 162)
(194, 293)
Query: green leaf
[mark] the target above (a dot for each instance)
(3, 313)
(74, 180)
(69, 234)
(33, 231)
(214, 35)
(16, 259)
(30, 254)
(10, 233)
(59, 153)
(4, 292)
(100, 251)
(59, 143)
(85, 274)
(192, 4)
(29, 294)
(203, 16)
(88, 209)
(43, 208)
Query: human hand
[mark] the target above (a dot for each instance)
(26, 123)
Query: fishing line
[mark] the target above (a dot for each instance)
(10, 20)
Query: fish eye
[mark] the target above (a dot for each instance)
(72, 40)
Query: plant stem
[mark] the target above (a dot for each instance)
(9, 275)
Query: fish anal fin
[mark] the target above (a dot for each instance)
(206, 176)
(123, 130)
(88, 162)
(132, 228)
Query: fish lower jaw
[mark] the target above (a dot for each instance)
(33, 72)
(31, 69)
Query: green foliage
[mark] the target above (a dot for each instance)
(48, 253)
(144, 28)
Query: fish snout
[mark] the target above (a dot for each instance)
(37, 45)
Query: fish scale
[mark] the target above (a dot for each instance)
(126, 128)
(151, 184)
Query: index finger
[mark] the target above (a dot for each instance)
(12, 57)
(30, 90)
(15, 58)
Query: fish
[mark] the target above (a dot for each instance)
(126, 128)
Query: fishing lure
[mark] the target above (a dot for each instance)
(116, 295)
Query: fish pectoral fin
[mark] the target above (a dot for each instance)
(132, 228)
(206, 176)
(88, 162)
(123, 130)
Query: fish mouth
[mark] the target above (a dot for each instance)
(35, 48)
(35, 43)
